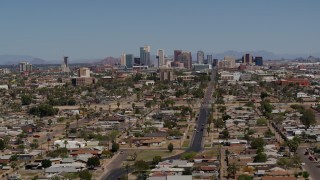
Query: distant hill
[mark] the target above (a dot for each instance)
(15, 59)
(108, 60)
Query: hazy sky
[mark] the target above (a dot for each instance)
(100, 28)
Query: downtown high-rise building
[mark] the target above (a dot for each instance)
(145, 56)
(176, 54)
(65, 64)
(209, 59)
(258, 61)
(129, 60)
(247, 59)
(160, 56)
(186, 59)
(200, 57)
(25, 66)
(123, 59)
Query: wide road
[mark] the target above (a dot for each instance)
(196, 144)
(197, 141)
(310, 166)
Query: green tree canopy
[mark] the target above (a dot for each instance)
(93, 162)
(260, 157)
(46, 163)
(257, 143)
(170, 147)
(141, 165)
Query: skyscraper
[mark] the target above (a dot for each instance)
(209, 59)
(200, 57)
(123, 59)
(145, 55)
(129, 60)
(258, 60)
(161, 57)
(65, 64)
(176, 54)
(25, 66)
(186, 59)
(247, 59)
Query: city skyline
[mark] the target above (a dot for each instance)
(81, 30)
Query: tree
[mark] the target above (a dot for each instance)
(46, 163)
(156, 160)
(308, 118)
(85, 175)
(114, 147)
(141, 165)
(293, 144)
(65, 143)
(225, 133)
(266, 107)
(218, 123)
(208, 130)
(263, 95)
(13, 157)
(26, 99)
(257, 143)
(2, 145)
(118, 104)
(77, 118)
(260, 157)
(43, 110)
(93, 162)
(170, 147)
(232, 170)
(305, 174)
(262, 122)
(244, 177)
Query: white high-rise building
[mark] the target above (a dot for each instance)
(200, 57)
(123, 59)
(161, 57)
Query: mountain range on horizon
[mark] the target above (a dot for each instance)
(15, 59)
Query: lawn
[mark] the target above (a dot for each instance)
(147, 155)
(186, 143)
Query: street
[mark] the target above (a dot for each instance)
(196, 144)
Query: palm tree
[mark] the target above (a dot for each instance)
(65, 143)
(232, 170)
(57, 146)
(67, 128)
(77, 118)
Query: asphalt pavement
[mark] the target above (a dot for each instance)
(310, 166)
(117, 171)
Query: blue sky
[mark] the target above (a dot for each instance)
(95, 29)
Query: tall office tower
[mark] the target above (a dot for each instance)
(215, 62)
(145, 55)
(176, 54)
(65, 65)
(258, 60)
(28, 67)
(123, 59)
(25, 66)
(161, 57)
(129, 60)
(136, 61)
(200, 57)
(209, 59)
(22, 66)
(83, 72)
(186, 59)
(247, 59)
